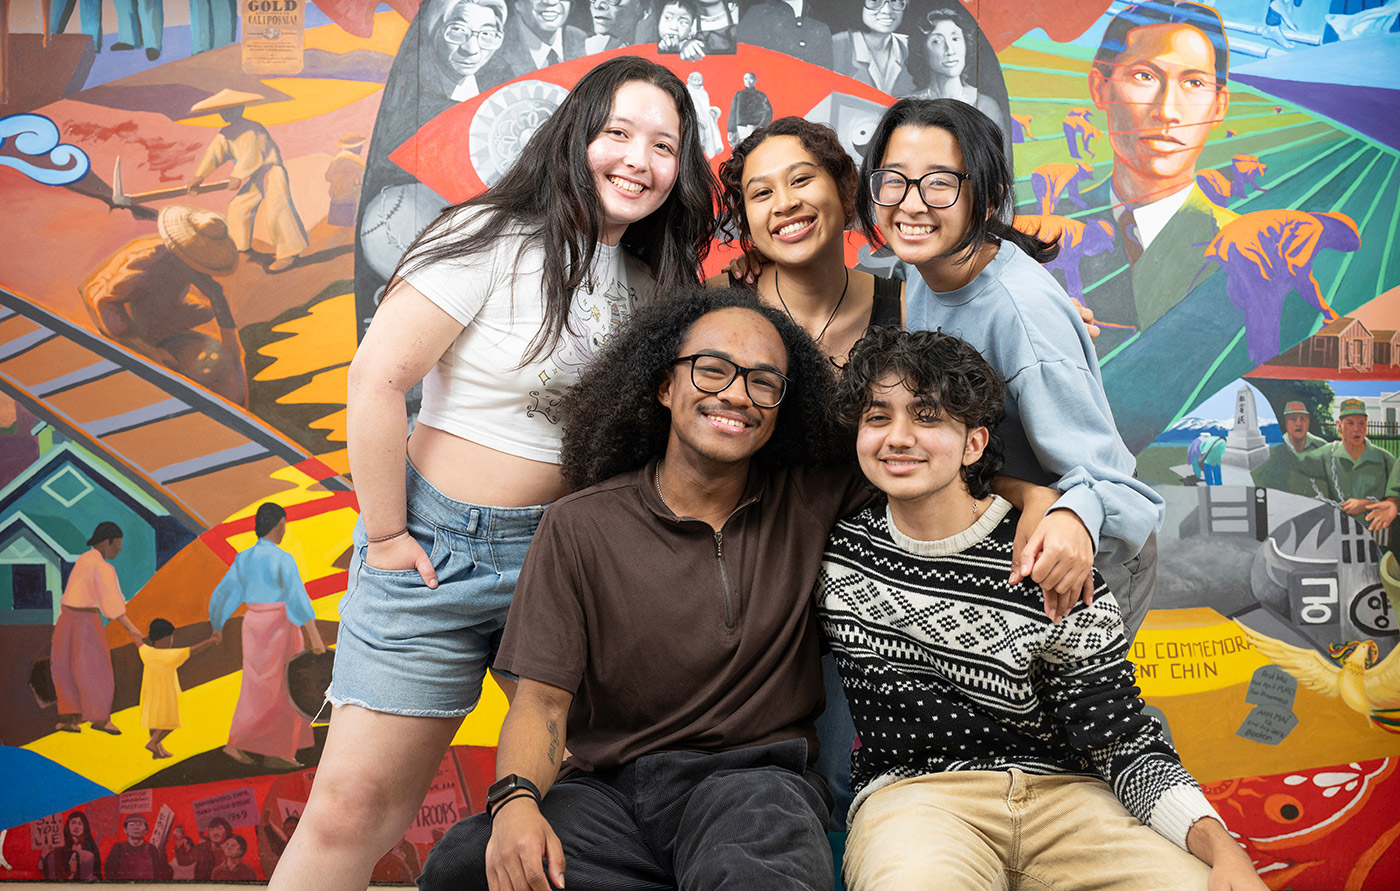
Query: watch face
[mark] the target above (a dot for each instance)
(500, 787)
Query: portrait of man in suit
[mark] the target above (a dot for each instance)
(537, 36)
(1160, 80)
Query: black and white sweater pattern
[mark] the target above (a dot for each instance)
(948, 667)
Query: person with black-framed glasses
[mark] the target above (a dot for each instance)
(938, 189)
(662, 734)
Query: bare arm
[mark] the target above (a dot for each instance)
(1230, 869)
(407, 337)
(136, 636)
(205, 644)
(531, 746)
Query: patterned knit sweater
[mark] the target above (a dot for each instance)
(947, 667)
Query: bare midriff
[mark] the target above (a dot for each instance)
(467, 471)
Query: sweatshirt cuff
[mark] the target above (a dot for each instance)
(1085, 505)
(1177, 811)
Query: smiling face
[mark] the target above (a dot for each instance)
(947, 50)
(543, 17)
(724, 428)
(918, 234)
(791, 202)
(911, 452)
(633, 159)
(1161, 102)
(883, 19)
(458, 45)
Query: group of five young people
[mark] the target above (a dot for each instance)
(506, 298)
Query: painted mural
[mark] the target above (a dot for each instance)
(203, 201)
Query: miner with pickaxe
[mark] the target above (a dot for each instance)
(258, 178)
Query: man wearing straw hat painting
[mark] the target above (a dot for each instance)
(154, 294)
(258, 178)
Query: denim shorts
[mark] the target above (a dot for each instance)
(406, 649)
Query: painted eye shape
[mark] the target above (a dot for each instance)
(1283, 808)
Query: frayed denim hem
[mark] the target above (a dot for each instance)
(337, 701)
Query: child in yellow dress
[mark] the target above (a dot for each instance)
(160, 683)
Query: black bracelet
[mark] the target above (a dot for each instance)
(519, 793)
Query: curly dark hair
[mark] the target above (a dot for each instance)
(613, 421)
(818, 139)
(946, 372)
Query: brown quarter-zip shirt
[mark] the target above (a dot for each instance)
(672, 636)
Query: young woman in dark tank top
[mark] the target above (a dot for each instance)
(789, 197)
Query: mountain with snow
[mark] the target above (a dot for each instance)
(1187, 429)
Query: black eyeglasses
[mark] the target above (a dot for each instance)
(894, 4)
(938, 188)
(712, 374)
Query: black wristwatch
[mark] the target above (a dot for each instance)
(509, 786)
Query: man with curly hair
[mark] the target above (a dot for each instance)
(994, 742)
(662, 733)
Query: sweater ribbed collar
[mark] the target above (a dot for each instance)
(953, 544)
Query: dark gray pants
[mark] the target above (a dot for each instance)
(1132, 583)
(751, 818)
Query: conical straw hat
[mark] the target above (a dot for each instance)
(199, 237)
(226, 99)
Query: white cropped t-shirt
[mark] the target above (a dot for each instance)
(478, 390)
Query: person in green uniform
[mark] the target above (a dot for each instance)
(1283, 471)
(1352, 473)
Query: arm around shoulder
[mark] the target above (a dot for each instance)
(1070, 429)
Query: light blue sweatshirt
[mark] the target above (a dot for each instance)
(262, 574)
(1059, 431)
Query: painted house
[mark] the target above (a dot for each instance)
(1386, 348)
(1343, 345)
(48, 513)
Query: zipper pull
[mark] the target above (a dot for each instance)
(719, 544)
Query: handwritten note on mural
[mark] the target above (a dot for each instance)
(46, 833)
(1272, 690)
(238, 806)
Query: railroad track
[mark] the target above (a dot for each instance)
(199, 455)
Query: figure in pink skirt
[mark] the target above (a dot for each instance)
(80, 661)
(265, 577)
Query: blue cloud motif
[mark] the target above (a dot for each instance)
(37, 137)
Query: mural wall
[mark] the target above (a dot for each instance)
(203, 202)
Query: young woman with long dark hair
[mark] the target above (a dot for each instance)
(78, 859)
(496, 308)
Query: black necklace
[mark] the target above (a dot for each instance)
(834, 310)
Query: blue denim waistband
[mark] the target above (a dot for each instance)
(486, 521)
